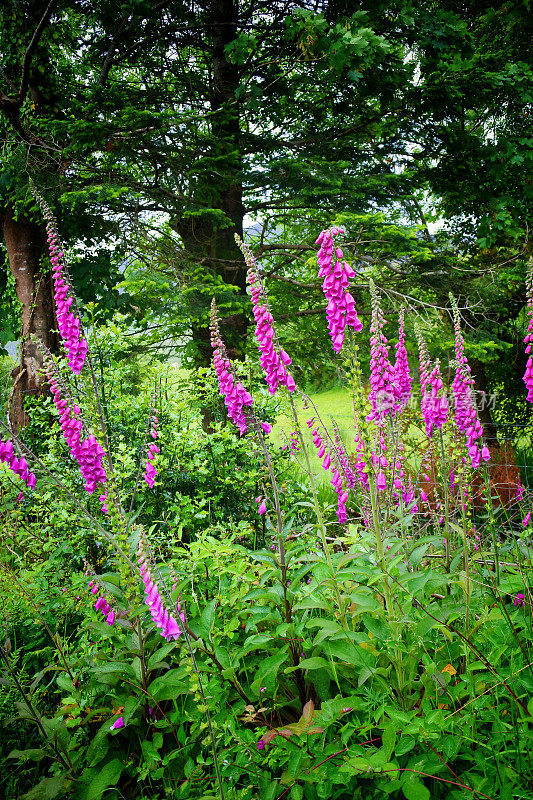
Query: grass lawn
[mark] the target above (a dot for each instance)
(334, 403)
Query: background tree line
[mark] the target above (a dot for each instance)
(159, 130)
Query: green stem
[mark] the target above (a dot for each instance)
(318, 512)
(446, 501)
(379, 547)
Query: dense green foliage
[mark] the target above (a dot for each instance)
(317, 686)
(386, 655)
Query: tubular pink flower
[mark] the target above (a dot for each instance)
(340, 310)
(164, 622)
(274, 360)
(18, 466)
(466, 416)
(118, 723)
(150, 471)
(235, 396)
(384, 393)
(401, 367)
(68, 319)
(336, 480)
(434, 402)
(528, 374)
(88, 453)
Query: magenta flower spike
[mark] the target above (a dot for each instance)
(528, 374)
(68, 320)
(340, 458)
(150, 471)
(235, 396)
(337, 273)
(88, 453)
(16, 465)
(466, 416)
(434, 402)
(274, 360)
(401, 367)
(384, 393)
(165, 622)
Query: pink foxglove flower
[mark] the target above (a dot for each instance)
(337, 273)
(235, 396)
(118, 723)
(401, 367)
(150, 471)
(68, 319)
(330, 463)
(262, 507)
(528, 375)
(384, 393)
(274, 360)
(434, 402)
(17, 465)
(87, 452)
(466, 416)
(164, 621)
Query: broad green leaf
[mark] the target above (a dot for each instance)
(310, 663)
(160, 654)
(414, 789)
(207, 619)
(107, 776)
(47, 789)
(170, 685)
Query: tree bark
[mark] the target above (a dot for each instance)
(25, 245)
(208, 242)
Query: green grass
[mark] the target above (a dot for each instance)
(334, 403)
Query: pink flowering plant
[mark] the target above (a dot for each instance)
(358, 629)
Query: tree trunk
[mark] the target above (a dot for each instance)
(24, 243)
(210, 243)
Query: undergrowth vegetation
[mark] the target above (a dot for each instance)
(190, 613)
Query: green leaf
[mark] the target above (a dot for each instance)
(47, 789)
(118, 668)
(160, 654)
(310, 663)
(388, 740)
(32, 754)
(107, 776)
(170, 685)
(208, 619)
(414, 789)
(266, 674)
